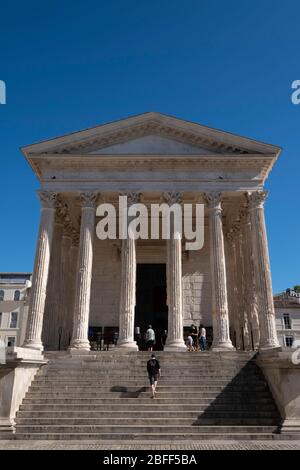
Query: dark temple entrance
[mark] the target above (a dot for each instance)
(151, 301)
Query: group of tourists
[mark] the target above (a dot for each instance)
(196, 340)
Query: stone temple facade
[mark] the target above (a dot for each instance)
(82, 284)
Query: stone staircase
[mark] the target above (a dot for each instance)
(106, 396)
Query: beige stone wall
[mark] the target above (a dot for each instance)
(196, 287)
(105, 289)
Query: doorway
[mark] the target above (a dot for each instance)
(151, 301)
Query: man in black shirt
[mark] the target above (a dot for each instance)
(153, 369)
(194, 335)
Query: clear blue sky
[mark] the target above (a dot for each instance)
(74, 64)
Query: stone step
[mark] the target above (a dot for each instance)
(162, 387)
(128, 373)
(154, 422)
(166, 373)
(143, 381)
(168, 365)
(68, 409)
(153, 436)
(168, 392)
(71, 429)
(126, 400)
(146, 412)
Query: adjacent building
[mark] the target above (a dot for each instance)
(287, 311)
(14, 296)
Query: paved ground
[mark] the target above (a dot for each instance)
(195, 445)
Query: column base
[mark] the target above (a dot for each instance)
(36, 345)
(269, 348)
(226, 346)
(174, 346)
(128, 345)
(80, 345)
(267, 345)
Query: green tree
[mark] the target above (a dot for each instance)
(297, 288)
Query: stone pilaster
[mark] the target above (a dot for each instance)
(221, 337)
(128, 286)
(40, 273)
(262, 272)
(175, 340)
(84, 276)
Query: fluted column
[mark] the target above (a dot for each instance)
(250, 294)
(40, 273)
(233, 268)
(243, 290)
(262, 272)
(66, 286)
(175, 340)
(128, 286)
(221, 337)
(84, 276)
(72, 287)
(54, 287)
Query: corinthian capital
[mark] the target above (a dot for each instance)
(256, 199)
(88, 199)
(48, 199)
(172, 197)
(213, 200)
(132, 197)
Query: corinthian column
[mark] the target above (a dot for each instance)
(174, 281)
(66, 286)
(235, 304)
(262, 272)
(84, 276)
(40, 273)
(128, 286)
(220, 320)
(250, 294)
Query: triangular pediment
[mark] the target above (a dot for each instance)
(150, 133)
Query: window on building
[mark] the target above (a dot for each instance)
(17, 295)
(13, 320)
(0, 319)
(1, 294)
(287, 321)
(289, 341)
(11, 341)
